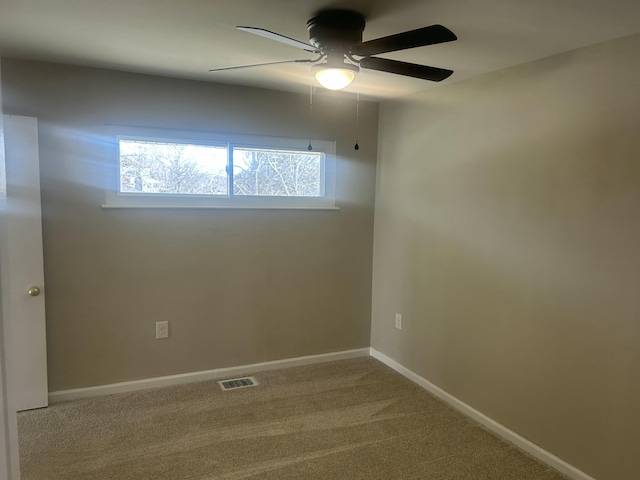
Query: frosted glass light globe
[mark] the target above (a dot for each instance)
(335, 77)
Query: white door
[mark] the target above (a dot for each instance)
(22, 268)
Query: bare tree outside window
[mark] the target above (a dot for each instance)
(172, 168)
(154, 169)
(277, 173)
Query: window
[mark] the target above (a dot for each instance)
(217, 172)
(172, 168)
(278, 173)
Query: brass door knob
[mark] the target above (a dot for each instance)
(34, 291)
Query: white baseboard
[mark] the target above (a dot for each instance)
(215, 374)
(499, 429)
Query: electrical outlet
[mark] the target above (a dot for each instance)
(162, 329)
(398, 321)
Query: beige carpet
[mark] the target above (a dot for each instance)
(353, 419)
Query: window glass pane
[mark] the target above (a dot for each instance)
(172, 168)
(279, 173)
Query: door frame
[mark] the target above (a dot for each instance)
(9, 458)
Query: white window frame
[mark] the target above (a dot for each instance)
(117, 199)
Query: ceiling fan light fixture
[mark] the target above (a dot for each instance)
(335, 76)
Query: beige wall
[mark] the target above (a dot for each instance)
(507, 232)
(237, 286)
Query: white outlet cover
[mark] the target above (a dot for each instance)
(162, 329)
(398, 321)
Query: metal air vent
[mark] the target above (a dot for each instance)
(235, 383)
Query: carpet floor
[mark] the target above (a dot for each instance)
(352, 419)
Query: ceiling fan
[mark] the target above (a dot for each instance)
(336, 37)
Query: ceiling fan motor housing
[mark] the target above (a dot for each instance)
(336, 29)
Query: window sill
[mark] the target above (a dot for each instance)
(220, 207)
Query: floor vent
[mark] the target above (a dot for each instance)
(235, 383)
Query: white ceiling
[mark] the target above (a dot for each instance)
(186, 38)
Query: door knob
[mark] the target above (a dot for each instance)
(34, 291)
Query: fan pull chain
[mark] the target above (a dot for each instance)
(310, 147)
(356, 146)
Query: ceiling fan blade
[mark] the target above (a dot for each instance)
(407, 69)
(261, 65)
(401, 41)
(279, 38)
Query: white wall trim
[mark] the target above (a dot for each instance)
(497, 428)
(215, 374)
